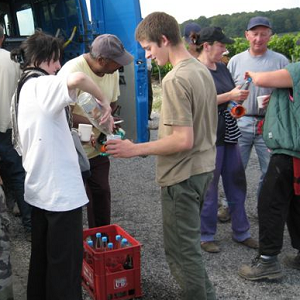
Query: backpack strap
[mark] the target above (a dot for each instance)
(27, 74)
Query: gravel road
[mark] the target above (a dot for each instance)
(136, 207)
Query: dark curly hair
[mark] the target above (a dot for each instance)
(37, 48)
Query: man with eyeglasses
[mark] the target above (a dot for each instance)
(107, 54)
(258, 58)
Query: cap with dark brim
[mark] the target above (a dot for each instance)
(189, 29)
(258, 21)
(110, 46)
(213, 34)
(125, 59)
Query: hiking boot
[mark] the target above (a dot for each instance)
(261, 269)
(249, 242)
(210, 247)
(292, 261)
(223, 214)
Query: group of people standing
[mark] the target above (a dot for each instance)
(277, 199)
(198, 142)
(189, 166)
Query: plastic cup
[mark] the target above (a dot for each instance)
(260, 100)
(85, 131)
(113, 137)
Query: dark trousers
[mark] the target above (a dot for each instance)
(56, 255)
(13, 175)
(278, 204)
(98, 191)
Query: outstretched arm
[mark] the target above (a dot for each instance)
(275, 79)
(79, 80)
(181, 139)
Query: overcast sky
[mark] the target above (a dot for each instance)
(184, 10)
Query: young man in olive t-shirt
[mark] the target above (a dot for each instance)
(185, 150)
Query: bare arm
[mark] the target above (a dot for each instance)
(181, 139)
(79, 80)
(276, 79)
(235, 95)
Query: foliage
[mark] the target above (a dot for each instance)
(284, 23)
(285, 44)
(234, 25)
(159, 72)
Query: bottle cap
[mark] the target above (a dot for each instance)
(118, 237)
(98, 234)
(104, 239)
(110, 245)
(90, 243)
(124, 242)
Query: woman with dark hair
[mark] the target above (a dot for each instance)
(211, 45)
(53, 183)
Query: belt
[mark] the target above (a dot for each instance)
(254, 116)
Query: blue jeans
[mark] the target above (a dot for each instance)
(13, 175)
(181, 206)
(229, 165)
(250, 138)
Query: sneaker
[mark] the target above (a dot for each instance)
(210, 247)
(261, 269)
(249, 242)
(292, 261)
(223, 214)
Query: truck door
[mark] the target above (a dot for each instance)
(121, 18)
(64, 18)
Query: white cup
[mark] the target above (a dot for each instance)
(113, 137)
(85, 131)
(260, 100)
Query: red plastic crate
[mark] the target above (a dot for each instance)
(103, 273)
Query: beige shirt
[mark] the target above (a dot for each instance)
(189, 99)
(9, 75)
(109, 84)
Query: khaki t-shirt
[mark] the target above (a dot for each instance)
(109, 84)
(189, 99)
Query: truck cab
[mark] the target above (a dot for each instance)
(78, 22)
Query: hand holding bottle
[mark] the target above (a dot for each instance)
(105, 114)
(238, 95)
(99, 116)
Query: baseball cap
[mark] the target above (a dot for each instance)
(188, 29)
(213, 34)
(109, 46)
(258, 21)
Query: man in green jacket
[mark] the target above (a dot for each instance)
(279, 199)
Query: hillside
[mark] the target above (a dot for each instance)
(234, 25)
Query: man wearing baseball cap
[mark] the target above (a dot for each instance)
(107, 54)
(258, 58)
(189, 30)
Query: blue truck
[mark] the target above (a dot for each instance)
(78, 22)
